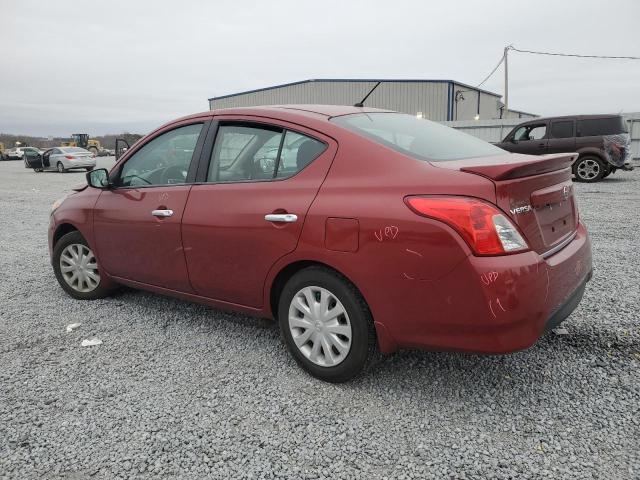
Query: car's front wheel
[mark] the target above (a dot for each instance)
(589, 169)
(326, 325)
(77, 270)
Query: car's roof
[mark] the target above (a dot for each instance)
(311, 116)
(286, 111)
(573, 117)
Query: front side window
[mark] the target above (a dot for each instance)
(418, 138)
(562, 129)
(164, 160)
(250, 153)
(530, 132)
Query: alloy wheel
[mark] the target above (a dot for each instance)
(60, 167)
(588, 169)
(320, 326)
(79, 268)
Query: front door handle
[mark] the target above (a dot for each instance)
(281, 217)
(162, 213)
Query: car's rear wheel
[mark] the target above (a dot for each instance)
(326, 325)
(61, 168)
(76, 268)
(589, 169)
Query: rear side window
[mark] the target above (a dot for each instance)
(601, 126)
(244, 153)
(418, 138)
(562, 129)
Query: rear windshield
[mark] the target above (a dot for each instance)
(75, 150)
(601, 126)
(419, 138)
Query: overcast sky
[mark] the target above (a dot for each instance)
(110, 66)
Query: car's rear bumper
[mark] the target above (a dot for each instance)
(494, 304)
(69, 164)
(564, 310)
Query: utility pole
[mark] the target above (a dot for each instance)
(506, 84)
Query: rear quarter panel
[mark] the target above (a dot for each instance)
(397, 251)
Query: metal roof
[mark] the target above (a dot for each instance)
(382, 80)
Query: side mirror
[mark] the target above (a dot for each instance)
(98, 178)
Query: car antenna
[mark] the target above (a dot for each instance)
(361, 102)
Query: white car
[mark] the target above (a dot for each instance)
(18, 153)
(63, 159)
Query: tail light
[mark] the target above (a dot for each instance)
(69, 157)
(485, 228)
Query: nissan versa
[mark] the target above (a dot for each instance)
(360, 230)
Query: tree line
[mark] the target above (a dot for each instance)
(106, 141)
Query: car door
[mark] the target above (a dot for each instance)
(530, 139)
(137, 222)
(249, 209)
(51, 160)
(562, 136)
(33, 159)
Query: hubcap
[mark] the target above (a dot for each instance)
(588, 169)
(79, 268)
(60, 167)
(320, 326)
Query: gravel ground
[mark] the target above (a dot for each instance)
(178, 390)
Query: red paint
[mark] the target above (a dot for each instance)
(421, 280)
(341, 234)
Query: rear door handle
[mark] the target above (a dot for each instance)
(162, 213)
(281, 217)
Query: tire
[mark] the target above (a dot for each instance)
(61, 168)
(37, 170)
(589, 169)
(91, 289)
(356, 321)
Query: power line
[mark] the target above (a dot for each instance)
(492, 72)
(572, 54)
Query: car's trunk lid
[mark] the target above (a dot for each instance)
(535, 192)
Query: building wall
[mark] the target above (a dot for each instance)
(434, 99)
(466, 107)
(430, 98)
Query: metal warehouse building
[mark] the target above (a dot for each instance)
(438, 100)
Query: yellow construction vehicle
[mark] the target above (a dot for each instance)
(82, 140)
(1, 151)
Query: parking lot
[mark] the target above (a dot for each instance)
(184, 391)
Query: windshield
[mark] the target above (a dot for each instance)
(419, 138)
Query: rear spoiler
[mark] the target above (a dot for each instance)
(518, 169)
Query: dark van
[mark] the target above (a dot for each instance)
(601, 140)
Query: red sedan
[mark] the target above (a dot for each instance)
(359, 230)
